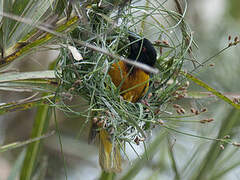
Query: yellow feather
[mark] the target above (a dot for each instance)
(132, 87)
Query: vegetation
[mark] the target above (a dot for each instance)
(89, 37)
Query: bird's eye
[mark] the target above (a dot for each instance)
(144, 49)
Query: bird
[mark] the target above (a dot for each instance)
(133, 83)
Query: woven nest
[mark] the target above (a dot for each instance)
(108, 29)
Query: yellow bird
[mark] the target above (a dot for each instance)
(134, 83)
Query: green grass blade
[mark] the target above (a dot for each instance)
(30, 86)
(107, 176)
(39, 42)
(39, 128)
(5, 22)
(6, 77)
(27, 9)
(213, 91)
(24, 105)
(1, 8)
(60, 6)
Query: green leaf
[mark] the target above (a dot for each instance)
(26, 9)
(1, 9)
(40, 81)
(6, 6)
(30, 86)
(25, 104)
(16, 76)
(107, 176)
(213, 91)
(38, 42)
(39, 128)
(60, 6)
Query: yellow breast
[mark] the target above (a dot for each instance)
(133, 85)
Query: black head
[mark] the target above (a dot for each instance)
(142, 50)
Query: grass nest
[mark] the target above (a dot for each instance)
(107, 28)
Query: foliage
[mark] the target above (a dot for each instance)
(97, 31)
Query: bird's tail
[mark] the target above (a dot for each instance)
(109, 154)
